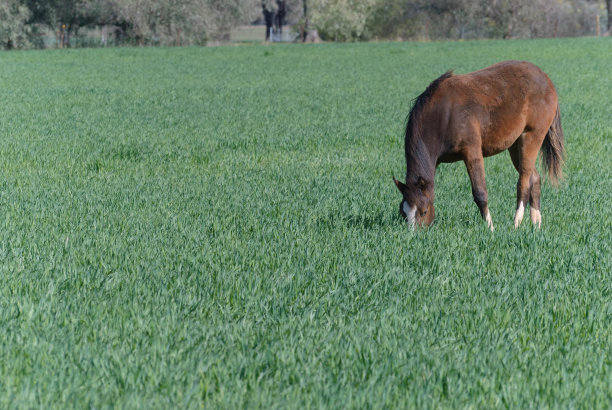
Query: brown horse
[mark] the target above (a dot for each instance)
(511, 105)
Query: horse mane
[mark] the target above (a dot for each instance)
(414, 146)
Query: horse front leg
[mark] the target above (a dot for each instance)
(475, 169)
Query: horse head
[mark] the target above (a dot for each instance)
(417, 201)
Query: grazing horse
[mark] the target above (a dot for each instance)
(510, 105)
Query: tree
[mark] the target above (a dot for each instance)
(482, 18)
(178, 22)
(609, 11)
(340, 20)
(58, 15)
(14, 28)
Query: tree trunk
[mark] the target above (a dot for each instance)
(305, 24)
(609, 10)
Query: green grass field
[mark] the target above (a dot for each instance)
(218, 227)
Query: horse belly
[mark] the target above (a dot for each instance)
(492, 145)
(503, 132)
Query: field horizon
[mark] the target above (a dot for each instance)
(218, 227)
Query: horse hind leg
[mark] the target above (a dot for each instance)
(534, 199)
(520, 204)
(524, 154)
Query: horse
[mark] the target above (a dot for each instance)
(511, 105)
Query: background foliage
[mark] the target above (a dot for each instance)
(460, 19)
(15, 31)
(185, 227)
(26, 23)
(341, 20)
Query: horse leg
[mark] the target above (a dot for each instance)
(475, 169)
(523, 154)
(534, 199)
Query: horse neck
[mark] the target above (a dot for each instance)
(421, 158)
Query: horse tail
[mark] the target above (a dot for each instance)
(553, 150)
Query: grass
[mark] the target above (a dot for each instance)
(218, 227)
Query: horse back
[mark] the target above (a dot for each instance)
(494, 106)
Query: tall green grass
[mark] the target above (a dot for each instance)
(218, 227)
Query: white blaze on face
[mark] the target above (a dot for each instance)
(518, 217)
(410, 212)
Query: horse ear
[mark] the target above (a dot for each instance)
(400, 185)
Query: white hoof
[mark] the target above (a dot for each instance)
(536, 217)
(518, 217)
(490, 221)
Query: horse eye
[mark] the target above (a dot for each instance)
(425, 212)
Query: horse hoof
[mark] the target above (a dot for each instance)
(518, 217)
(536, 217)
(490, 221)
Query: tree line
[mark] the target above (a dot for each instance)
(356, 20)
(26, 23)
(30, 23)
